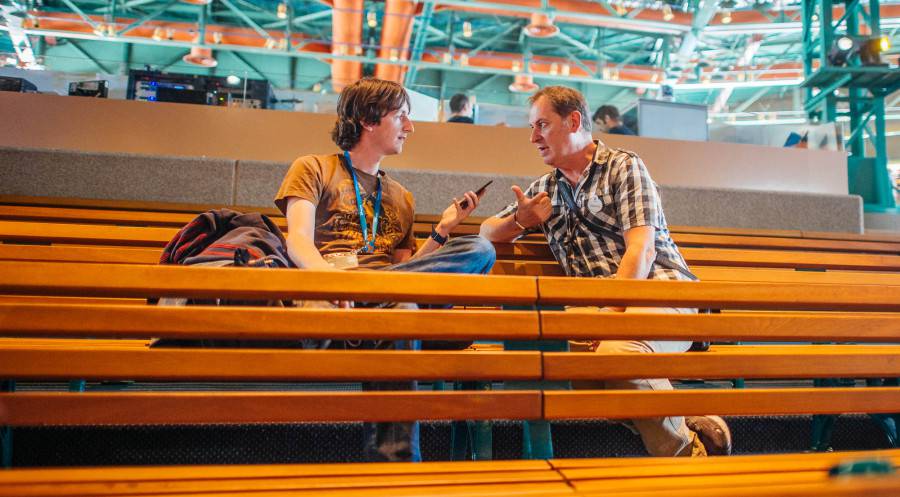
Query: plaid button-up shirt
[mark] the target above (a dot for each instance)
(616, 194)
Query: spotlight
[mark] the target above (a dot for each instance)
(233, 80)
(157, 34)
(282, 11)
(844, 43)
(844, 48)
(871, 49)
(372, 19)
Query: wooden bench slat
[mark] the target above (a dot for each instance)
(94, 216)
(757, 481)
(127, 408)
(769, 242)
(732, 326)
(794, 276)
(819, 361)
(617, 404)
(120, 408)
(240, 471)
(116, 280)
(511, 489)
(877, 487)
(262, 323)
(85, 234)
(170, 364)
(71, 253)
(79, 320)
(131, 205)
(96, 343)
(318, 483)
(732, 295)
(698, 465)
(85, 361)
(28, 299)
(57, 233)
(790, 259)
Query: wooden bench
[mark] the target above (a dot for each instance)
(133, 281)
(793, 475)
(103, 243)
(865, 313)
(82, 211)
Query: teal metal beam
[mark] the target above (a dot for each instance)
(90, 57)
(147, 17)
(174, 61)
(752, 100)
(575, 43)
(484, 82)
(80, 13)
(608, 21)
(507, 29)
(299, 20)
(818, 98)
(252, 67)
(419, 43)
(247, 20)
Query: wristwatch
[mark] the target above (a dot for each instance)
(437, 237)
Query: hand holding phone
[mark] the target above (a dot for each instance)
(478, 193)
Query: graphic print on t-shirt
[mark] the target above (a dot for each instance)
(346, 218)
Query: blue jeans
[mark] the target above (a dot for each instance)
(469, 254)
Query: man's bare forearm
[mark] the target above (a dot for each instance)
(500, 229)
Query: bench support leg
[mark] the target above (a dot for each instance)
(6, 432)
(475, 435)
(536, 440)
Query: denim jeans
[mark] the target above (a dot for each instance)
(470, 254)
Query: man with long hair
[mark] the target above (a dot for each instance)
(344, 212)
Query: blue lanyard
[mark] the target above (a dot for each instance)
(368, 245)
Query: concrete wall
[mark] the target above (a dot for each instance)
(178, 130)
(64, 173)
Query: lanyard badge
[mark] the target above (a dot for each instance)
(368, 244)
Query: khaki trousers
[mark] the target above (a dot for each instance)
(667, 436)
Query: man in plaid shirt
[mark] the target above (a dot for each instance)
(602, 217)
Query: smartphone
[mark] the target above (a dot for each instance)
(478, 193)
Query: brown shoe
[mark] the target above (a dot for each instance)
(713, 432)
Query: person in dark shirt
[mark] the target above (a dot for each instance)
(608, 120)
(461, 109)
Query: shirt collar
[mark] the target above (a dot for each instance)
(601, 154)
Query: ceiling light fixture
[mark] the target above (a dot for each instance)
(726, 16)
(541, 26)
(282, 10)
(201, 56)
(668, 15)
(523, 83)
(467, 29)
